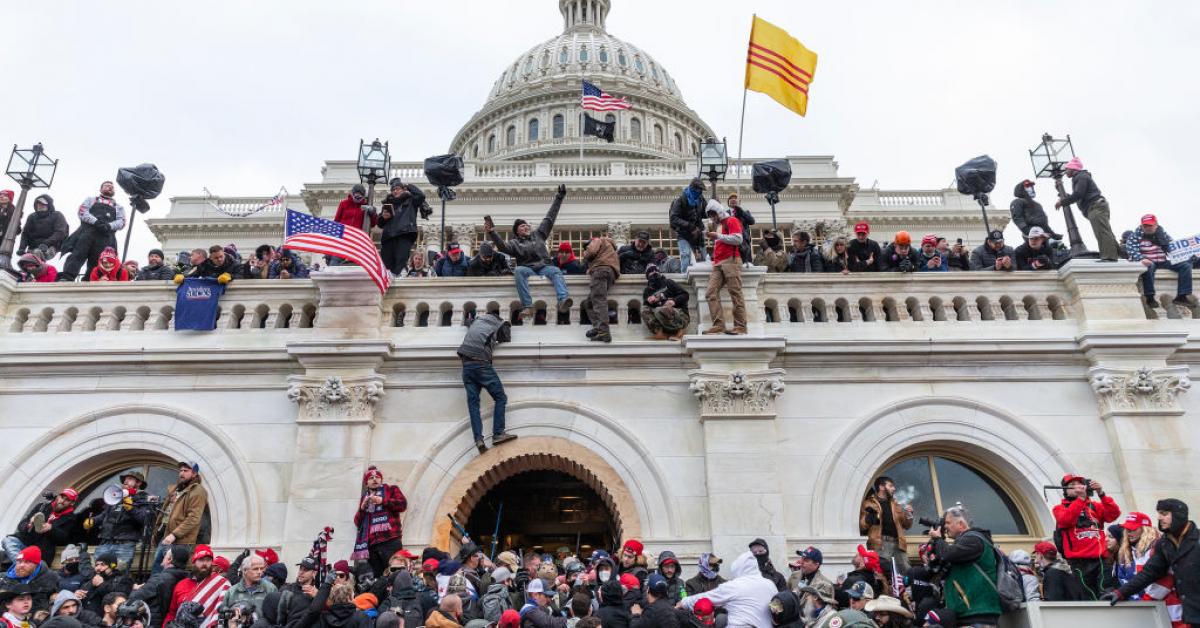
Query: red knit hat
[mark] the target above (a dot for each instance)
(31, 554)
(221, 563)
(70, 494)
(9, 193)
(634, 546)
(509, 619)
(870, 558)
(372, 471)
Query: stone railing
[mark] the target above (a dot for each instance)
(777, 304)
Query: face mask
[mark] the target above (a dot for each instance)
(604, 576)
(71, 568)
(1031, 192)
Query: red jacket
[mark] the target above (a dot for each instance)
(721, 250)
(351, 214)
(394, 503)
(1088, 542)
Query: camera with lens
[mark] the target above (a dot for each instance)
(932, 524)
(906, 266)
(243, 612)
(189, 615)
(1040, 261)
(133, 613)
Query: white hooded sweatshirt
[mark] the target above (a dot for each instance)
(746, 597)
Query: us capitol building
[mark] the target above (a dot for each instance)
(972, 387)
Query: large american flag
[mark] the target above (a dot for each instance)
(317, 235)
(210, 593)
(594, 99)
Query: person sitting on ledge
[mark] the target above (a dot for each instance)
(1148, 245)
(528, 248)
(666, 313)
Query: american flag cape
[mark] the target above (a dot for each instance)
(210, 593)
(326, 237)
(594, 99)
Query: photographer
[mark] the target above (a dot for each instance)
(190, 615)
(133, 614)
(930, 259)
(257, 265)
(333, 607)
(1035, 254)
(1080, 532)
(971, 569)
(119, 527)
(47, 525)
(252, 588)
(899, 256)
(883, 521)
(398, 219)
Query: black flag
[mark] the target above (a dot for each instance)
(602, 130)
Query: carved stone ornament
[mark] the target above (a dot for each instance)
(335, 400)
(431, 234)
(1145, 390)
(822, 229)
(738, 393)
(465, 234)
(620, 231)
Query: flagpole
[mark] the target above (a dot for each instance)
(742, 125)
(581, 114)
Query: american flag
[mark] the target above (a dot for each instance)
(210, 593)
(317, 235)
(275, 200)
(594, 99)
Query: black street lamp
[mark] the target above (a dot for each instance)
(714, 161)
(374, 165)
(1049, 159)
(30, 168)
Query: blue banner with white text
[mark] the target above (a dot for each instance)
(196, 303)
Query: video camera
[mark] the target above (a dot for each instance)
(189, 615)
(243, 612)
(133, 613)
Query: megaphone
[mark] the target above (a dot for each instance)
(113, 495)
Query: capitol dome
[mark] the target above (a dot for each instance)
(533, 110)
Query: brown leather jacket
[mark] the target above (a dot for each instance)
(874, 533)
(602, 252)
(186, 512)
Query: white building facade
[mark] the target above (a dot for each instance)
(974, 387)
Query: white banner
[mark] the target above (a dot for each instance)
(1183, 249)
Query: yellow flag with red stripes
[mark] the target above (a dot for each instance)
(779, 66)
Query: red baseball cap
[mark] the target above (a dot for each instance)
(1149, 219)
(1071, 477)
(703, 606)
(929, 239)
(1046, 548)
(201, 551)
(630, 581)
(870, 557)
(268, 555)
(430, 566)
(862, 227)
(634, 546)
(1135, 520)
(405, 554)
(221, 563)
(509, 619)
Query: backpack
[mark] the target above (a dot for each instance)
(1009, 584)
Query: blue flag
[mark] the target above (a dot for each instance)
(196, 303)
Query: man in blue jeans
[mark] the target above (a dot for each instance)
(1149, 246)
(687, 222)
(528, 249)
(475, 352)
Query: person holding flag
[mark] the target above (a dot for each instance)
(303, 232)
(205, 585)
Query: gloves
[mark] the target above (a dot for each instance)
(330, 577)
(178, 278)
(562, 190)
(521, 579)
(224, 278)
(1112, 597)
(127, 503)
(88, 523)
(243, 556)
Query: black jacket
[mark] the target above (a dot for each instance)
(404, 213)
(208, 268)
(1060, 585)
(1025, 255)
(495, 268)
(687, 222)
(159, 272)
(1027, 212)
(860, 252)
(746, 219)
(336, 616)
(660, 614)
(667, 289)
(116, 525)
(984, 258)
(156, 592)
(49, 228)
(1182, 558)
(857, 575)
(633, 261)
(61, 530)
(531, 250)
(114, 582)
(1084, 192)
(892, 260)
(44, 585)
(806, 261)
(766, 567)
(699, 584)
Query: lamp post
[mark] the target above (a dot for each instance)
(714, 161)
(374, 164)
(30, 168)
(1049, 158)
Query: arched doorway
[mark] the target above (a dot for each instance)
(543, 510)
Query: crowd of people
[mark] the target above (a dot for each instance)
(958, 578)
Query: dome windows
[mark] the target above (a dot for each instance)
(622, 59)
(564, 56)
(603, 55)
(638, 65)
(583, 54)
(635, 130)
(510, 135)
(491, 143)
(658, 135)
(545, 59)
(556, 126)
(533, 130)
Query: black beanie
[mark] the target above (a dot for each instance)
(179, 556)
(157, 252)
(517, 223)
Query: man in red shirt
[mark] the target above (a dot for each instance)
(1080, 529)
(727, 270)
(354, 211)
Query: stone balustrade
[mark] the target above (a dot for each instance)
(778, 304)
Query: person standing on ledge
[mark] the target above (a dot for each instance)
(100, 217)
(726, 270)
(528, 249)
(1086, 195)
(483, 335)
(378, 521)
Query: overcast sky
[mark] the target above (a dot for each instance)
(242, 97)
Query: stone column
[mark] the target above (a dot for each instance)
(349, 302)
(752, 277)
(431, 234)
(465, 234)
(736, 389)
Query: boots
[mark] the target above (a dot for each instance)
(715, 329)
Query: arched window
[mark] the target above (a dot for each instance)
(583, 54)
(533, 130)
(654, 71)
(545, 59)
(510, 135)
(638, 65)
(475, 151)
(658, 134)
(608, 117)
(564, 56)
(557, 125)
(678, 143)
(603, 55)
(621, 58)
(933, 483)
(491, 143)
(529, 65)
(159, 474)
(635, 129)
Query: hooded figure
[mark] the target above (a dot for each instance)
(746, 597)
(612, 611)
(687, 223)
(785, 610)
(707, 577)
(45, 228)
(110, 268)
(764, 564)
(35, 270)
(1175, 552)
(668, 563)
(1027, 212)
